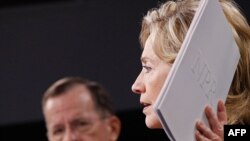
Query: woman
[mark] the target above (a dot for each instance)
(162, 33)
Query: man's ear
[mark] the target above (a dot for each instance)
(114, 128)
(47, 134)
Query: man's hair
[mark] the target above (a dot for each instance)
(100, 96)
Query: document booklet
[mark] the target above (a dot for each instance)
(201, 74)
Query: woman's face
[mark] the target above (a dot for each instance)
(150, 81)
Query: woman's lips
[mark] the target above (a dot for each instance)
(146, 106)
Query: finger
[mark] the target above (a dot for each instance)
(211, 117)
(204, 133)
(214, 123)
(200, 137)
(221, 112)
(204, 130)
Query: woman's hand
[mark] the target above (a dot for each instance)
(216, 130)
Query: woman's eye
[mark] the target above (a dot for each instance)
(147, 68)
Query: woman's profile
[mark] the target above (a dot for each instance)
(162, 33)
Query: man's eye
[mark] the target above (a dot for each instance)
(147, 68)
(83, 126)
(58, 131)
(82, 123)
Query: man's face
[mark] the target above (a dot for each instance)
(73, 117)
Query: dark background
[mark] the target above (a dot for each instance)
(44, 40)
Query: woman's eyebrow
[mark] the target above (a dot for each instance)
(145, 59)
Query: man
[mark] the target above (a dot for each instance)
(77, 109)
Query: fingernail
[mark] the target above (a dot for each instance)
(208, 109)
(199, 123)
(220, 106)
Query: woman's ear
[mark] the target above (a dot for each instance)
(114, 127)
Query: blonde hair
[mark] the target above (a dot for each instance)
(171, 22)
(238, 100)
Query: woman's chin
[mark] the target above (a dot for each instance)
(153, 122)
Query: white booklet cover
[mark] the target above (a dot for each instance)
(201, 74)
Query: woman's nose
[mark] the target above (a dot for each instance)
(138, 86)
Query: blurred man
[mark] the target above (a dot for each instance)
(77, 109)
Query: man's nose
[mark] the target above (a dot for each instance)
(71, 135)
